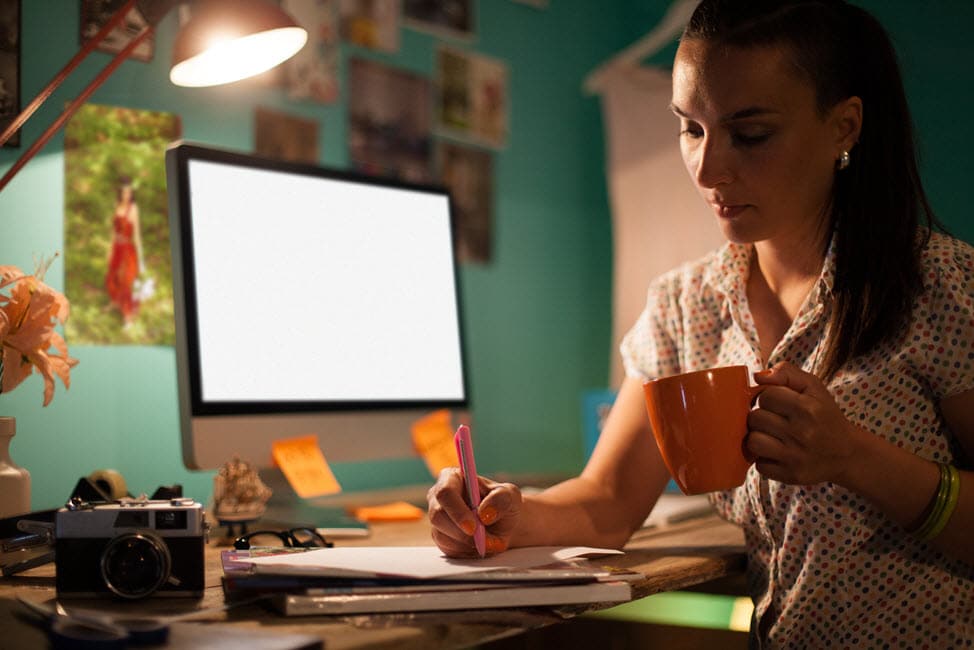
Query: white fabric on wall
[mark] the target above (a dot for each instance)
(659, 219)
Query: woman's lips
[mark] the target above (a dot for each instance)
(728, 211)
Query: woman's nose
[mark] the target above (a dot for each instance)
(712, 163)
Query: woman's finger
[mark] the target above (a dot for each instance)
(778, 399)
(768, 421)
(788, 375)
(441, 523)
(500, 509)
(448, 508)
(764, 446)
(453, 547)
(772, 469)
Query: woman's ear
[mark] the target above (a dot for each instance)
(847, 122)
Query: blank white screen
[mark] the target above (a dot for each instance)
(316, 289)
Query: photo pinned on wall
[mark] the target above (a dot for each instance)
(472, 97)
(9, 67)
(312, 73)
(390, 116)
(285, 137)
(468, 174)
(450, 18)
(96, 13)
(117, 265)
(371, 23)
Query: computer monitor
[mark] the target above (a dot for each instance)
(308, 301)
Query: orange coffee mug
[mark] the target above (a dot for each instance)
(699, 420)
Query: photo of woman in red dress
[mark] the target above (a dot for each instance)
(125, 259)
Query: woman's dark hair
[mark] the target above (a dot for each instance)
(123, 182)
(878, 202)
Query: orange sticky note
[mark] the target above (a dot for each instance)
(433, 441)
(304, 466)
(396, 511)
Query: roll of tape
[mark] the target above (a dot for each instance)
(145, 631)
(68, 634)
(110, 482)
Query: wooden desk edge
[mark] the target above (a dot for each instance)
(685, 555)
(674, 558)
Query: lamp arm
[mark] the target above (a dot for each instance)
(153, 11)
(75, 104)
(59, 78)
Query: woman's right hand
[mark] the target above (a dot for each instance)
(454, 522)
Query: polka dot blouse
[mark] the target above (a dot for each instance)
(826, 568)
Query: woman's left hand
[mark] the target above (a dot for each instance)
(797, 433)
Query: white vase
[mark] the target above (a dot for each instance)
(14, 480)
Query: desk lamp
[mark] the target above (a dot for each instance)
(223, 41)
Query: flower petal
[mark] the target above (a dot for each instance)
(29, 311)
(16, 368)
(8, 274)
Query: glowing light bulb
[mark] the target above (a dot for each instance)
(228, 60)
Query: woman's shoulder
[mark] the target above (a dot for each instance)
(941, 338)
(944, 245)
(946, 261)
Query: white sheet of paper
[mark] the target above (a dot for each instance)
(413, 561)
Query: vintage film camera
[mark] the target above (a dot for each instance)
(131, 548)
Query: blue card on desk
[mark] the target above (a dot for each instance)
(330, 522)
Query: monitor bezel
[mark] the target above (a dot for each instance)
(178, 157)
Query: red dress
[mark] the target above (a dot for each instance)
(123, 265)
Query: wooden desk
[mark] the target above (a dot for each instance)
(674, 558)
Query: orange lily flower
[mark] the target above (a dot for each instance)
(29, 311)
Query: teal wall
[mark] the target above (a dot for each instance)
(937, 58)
(537, 318)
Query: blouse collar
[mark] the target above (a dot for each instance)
(733, 263)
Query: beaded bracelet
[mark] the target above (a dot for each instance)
(948, 491)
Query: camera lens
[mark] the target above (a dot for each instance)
(134, 565)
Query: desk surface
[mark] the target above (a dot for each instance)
(672, 558)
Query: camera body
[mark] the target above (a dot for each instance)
(132, 548)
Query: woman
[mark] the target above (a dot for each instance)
(855, 315)
(125, 259)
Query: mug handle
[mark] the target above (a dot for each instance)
(753, 393)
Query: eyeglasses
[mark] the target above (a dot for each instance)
(293, 538)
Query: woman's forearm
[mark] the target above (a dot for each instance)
(577, 512)
(619, 486)
(902, 485)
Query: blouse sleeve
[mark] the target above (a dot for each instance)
(944, 335)
(649, 350)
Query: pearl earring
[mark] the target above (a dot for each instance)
(844, 160)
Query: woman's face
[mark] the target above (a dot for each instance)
(126, 194)
(754, 141)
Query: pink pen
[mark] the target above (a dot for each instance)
(469, 470)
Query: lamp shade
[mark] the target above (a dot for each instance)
(228, 40)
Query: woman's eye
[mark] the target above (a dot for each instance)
(750, 139)
(691, 132)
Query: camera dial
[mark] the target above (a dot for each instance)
(134, 565)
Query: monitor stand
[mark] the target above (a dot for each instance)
(330, 513)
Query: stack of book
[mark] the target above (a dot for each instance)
(315, 585)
